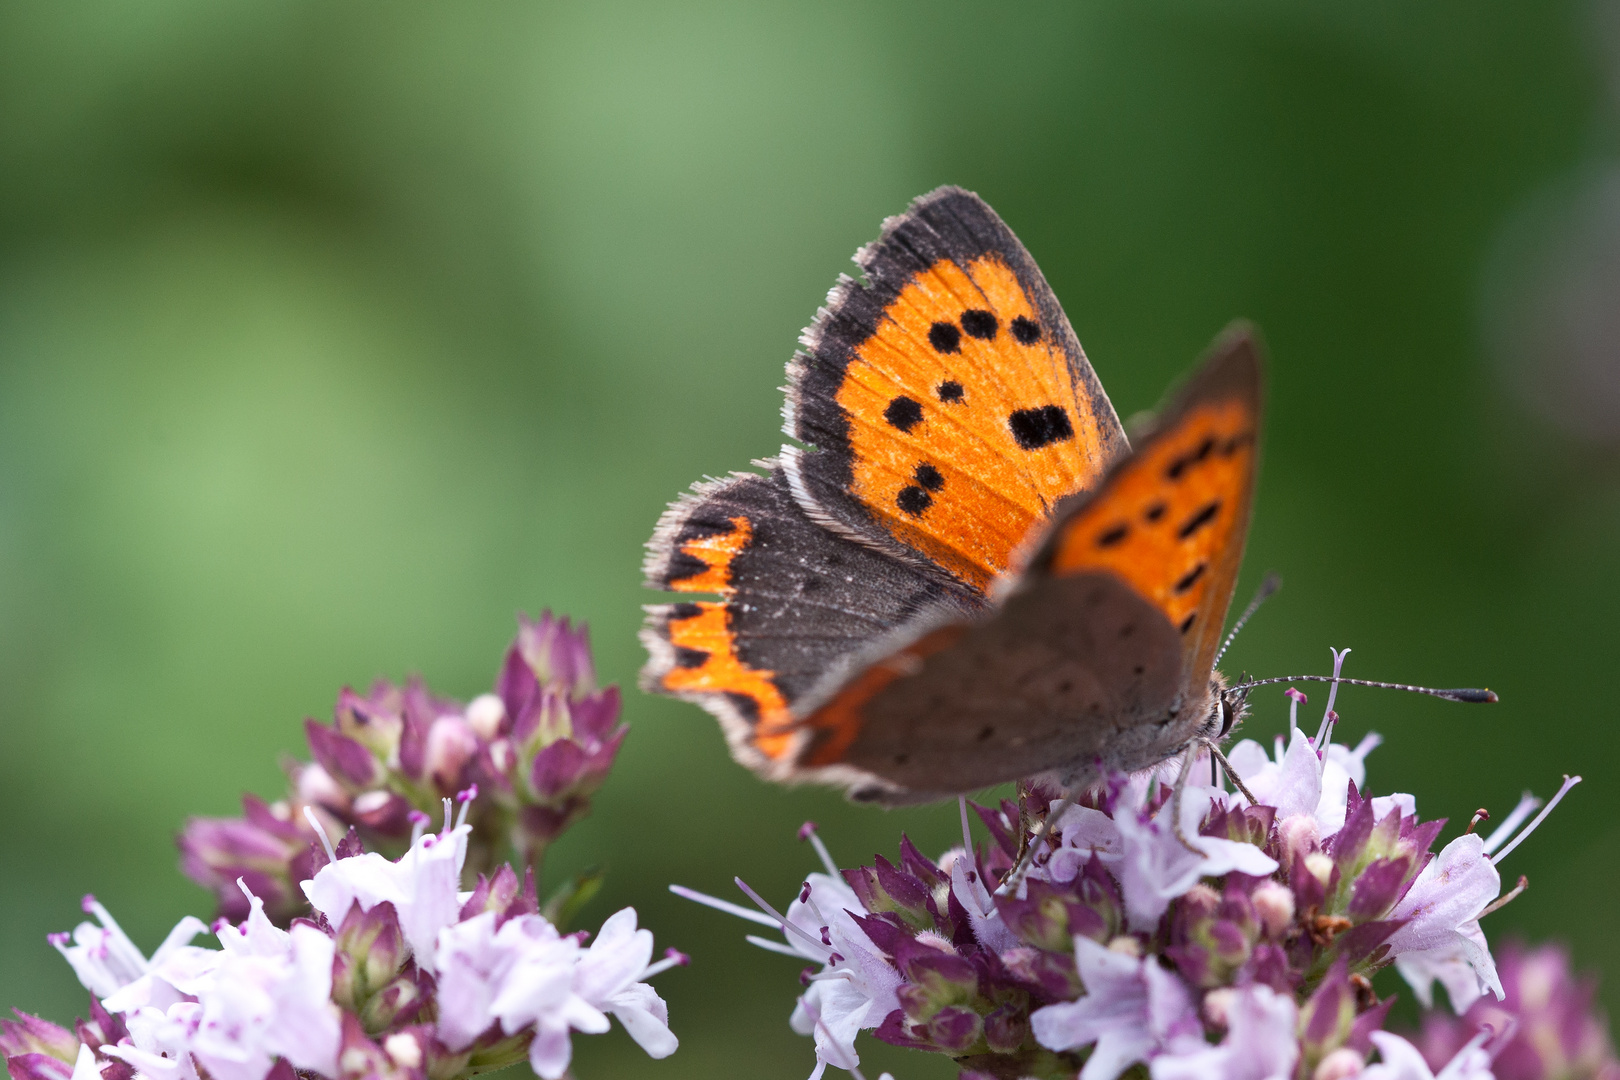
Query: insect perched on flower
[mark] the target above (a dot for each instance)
(967, 575)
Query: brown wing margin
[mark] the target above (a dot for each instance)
(1173, 518)
(946, 402)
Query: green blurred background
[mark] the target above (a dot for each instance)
(333, 335)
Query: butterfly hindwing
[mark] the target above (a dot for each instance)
(794, 600)
(1098, 654)
(946, 401)
(1070, 672)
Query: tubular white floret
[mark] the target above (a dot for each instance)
(320, 831)
(1569, 782)
(808, 831)
(787, 927)
(722, 905)
(1528, 804)
(1333, 692)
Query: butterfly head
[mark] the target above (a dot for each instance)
(1227, 708)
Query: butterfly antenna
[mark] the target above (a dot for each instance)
(1467, 695)
(1267, 587)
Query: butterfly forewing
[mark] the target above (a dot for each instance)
(1171, 521)
(947, 404)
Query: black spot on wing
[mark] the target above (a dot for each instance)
(980, 324)
(690, 658)
(1186, 624)
(929, 477)
(1114, 535)
(945, 337)
(1236, 443)
(684, 610)
(1154, 512)
(1035, 428)
(1190, 578)
(903, 413)
(1199, 520)
(950, 391)
(1027, 331)
(1191, 458)
(913, 500)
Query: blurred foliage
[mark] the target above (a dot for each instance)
(332, 335)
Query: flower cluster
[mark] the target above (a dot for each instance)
(1160, 924)
(534, 751)
(399, 975)
(1545, 1015)
(351, 963)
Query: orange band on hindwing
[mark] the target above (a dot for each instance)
(705, 642)
(715, 552)
(705, 639)
(838, 723)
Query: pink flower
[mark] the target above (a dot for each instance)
(1260, 1043)
(1132, 1010)
(1157, 867)
(423, 885)
(104, 958)
(1400, 1060)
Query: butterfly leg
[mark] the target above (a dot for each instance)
(1009, 884)
(1188, 759)
(1237, 781)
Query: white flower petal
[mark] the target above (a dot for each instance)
(646, 1017)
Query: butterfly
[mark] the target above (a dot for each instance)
(961, 573)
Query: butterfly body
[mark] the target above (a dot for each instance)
(966, 576)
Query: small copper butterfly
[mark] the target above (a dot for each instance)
(963, 574)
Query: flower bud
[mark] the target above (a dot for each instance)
(1341, 1064)
(1125, 945)
(1327, 1017)
(1297, 836)
(451, 744)
(405, 1049)
(32, 1035)
(347, 761)
(1217, 1006)
(370, 950)
(1320, 867)
(485, 714)
(954, 1029)
(1274, 904)
(934, 980)
(315, 786)
(264, 851)
(885, 887)
(1006, 1028)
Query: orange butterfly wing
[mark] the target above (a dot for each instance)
(1172, 520)
(947, 403)
(1097, 653)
